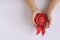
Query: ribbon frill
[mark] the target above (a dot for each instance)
(40, 20)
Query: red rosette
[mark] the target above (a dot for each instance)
(40, 19)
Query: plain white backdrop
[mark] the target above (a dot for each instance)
(16, 24)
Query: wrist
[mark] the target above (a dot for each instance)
(35, 9)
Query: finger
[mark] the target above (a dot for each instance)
(46, 25)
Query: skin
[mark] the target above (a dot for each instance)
(48, 10)
(51, 6)
(32, 5)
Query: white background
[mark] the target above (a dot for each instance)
(15, 21)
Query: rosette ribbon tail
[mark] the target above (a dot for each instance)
(40, 29)
(43, 30)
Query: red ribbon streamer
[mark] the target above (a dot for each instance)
(41, 20)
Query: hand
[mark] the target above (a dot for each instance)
(34, 14)
(49, 18)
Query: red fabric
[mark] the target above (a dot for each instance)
(41, 20)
